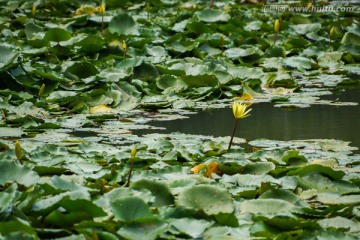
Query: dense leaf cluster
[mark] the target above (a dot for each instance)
(61, 60)
(78, 190)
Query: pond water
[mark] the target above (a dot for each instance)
(266, 121)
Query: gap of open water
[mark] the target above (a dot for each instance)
(266, 121)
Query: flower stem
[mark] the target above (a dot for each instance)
(130, 172)
(102, 23)
(233, 133)
(275, 38)
(211, 3)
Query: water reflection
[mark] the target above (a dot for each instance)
(266, 121)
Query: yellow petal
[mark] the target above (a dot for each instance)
(198, 168)
(212, 168)
(100, 109)
(245, 96)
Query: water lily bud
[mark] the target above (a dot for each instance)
(226, 8)
(123, 45)
(33, 10)
(277, 26)
(332, 31)
(18, 150)
(133, 152)
(41, 90)
(102, 8)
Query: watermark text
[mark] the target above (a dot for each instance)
(312, 9)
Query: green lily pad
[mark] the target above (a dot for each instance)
(331, 60)
(8, 56)
(57, 35)
(160, 190)
(307, 28)
(13, 172)
(198, 226)
(266, 206)
(301, 63)
(82, 70)
(211, 15)
(210, 199)
(131, 209)
(351, 38)
(123, 24)
(143, 231)
(204, 80)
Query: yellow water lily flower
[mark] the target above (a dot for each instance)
(210, 169)
(239, 110)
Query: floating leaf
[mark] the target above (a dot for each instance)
(197, 228)
(301, 63)
(307, 28)
(82, 70)
(143, 231)
(12, 172)
(351, 38)
(331, 60)
(211, 15)
(210, 199)
(131, 209)
(266, 206)
(123, 24)
(7, 57)
(328, 171)
(161, 191)
(57, 35)
(200, 80)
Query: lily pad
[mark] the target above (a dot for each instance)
(123, 24)
(210, 199)
(211, 15)
(8, 56)
(17, 173)
(57, 35)
(131, 209)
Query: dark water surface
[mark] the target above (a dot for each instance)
(266, 121)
